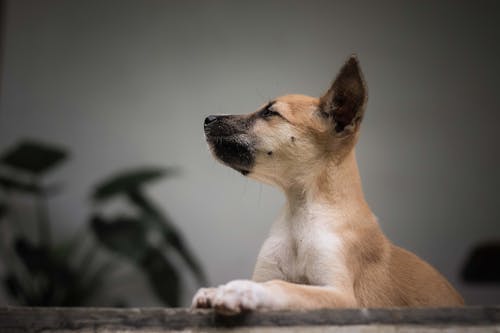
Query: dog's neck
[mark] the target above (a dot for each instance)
(336, 187)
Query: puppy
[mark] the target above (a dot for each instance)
(326, 249)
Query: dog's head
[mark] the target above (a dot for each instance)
(286, 140)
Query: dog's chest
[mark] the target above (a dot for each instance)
(305, 250)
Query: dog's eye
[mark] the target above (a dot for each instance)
(267, 112)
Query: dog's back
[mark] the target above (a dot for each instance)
(389, 276)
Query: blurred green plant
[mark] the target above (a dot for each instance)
(41, 273)
(150, 240)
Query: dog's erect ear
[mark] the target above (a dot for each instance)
(345, 101)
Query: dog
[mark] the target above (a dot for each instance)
(326, 249)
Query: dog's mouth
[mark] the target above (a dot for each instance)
(235, 151)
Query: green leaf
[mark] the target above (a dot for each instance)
(22, 186)
(13, 286)
(91, 281)
(125, 236)
(174, 239)
(3, 210)
(129, 180)
(33, 157)
(163, 277)
(62, 282)
(482, 263)
(35, 259)
(53, 276)
(171, 235)
(50, 276)
(68, 248)
(98, 274)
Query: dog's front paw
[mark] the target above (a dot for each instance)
(241, 295)
(204, 298)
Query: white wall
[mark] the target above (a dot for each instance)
(128, 83)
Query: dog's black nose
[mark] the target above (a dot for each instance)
(210, 119)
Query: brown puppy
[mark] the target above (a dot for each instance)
(326, 249)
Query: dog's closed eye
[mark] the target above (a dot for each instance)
(268, 112)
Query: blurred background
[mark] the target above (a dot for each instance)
(102, 146)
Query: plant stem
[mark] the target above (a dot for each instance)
(43, 220)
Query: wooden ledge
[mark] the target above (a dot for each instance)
(25, 319)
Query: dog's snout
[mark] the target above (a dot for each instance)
(210, 119)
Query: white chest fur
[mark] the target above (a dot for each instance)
(303, 248)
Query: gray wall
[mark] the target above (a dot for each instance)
(128, 83)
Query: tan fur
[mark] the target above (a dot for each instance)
(326, 249)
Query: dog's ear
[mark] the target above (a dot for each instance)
(344, 103)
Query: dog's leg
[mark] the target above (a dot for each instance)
(243, 295)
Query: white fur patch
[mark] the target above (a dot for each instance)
(204, 298)
(303, 248)
(241, 295)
